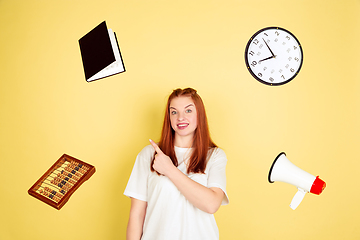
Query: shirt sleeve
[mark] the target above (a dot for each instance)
(137, 184)
(217, 172)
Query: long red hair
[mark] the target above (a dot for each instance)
(202, 144)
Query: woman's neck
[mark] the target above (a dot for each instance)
(183, 142)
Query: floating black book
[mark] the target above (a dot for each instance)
(100, 53)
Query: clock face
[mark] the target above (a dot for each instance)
(273, 56)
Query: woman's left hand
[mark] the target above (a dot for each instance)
(162, 163)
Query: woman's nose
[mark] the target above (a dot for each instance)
(181, 116)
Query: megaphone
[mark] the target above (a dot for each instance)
(284, 171)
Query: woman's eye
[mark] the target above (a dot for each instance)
(188, 110)
(173, 112)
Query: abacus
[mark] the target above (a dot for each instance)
(62, 179)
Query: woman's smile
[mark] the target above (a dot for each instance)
(182, 126)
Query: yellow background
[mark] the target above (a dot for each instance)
(47, 109)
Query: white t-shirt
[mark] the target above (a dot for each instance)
(169, 215)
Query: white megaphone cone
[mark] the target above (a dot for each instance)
(284, 171)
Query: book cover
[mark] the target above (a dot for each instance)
(100, 53)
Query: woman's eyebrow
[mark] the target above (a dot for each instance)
(190, 105)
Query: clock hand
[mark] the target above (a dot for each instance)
(267, 58)
(269, 48)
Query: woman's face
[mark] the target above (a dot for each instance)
(183, 117)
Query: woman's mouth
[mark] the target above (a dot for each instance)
(182, 126)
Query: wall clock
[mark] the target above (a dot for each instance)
(273, 56)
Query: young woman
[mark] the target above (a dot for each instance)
(176, 186)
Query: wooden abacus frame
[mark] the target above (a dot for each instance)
(53, 198)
